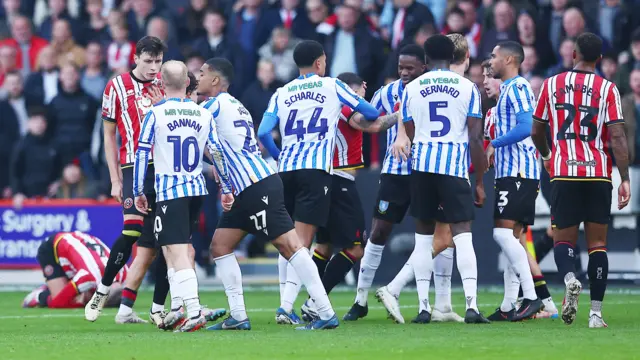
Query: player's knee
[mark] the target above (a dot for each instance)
(381, 232)
(288, 244)
(132, 228)
(218, 249)
(355, 252)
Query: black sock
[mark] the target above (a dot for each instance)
(120, 253)
(337, 269)
(541, 287)
(598, 270)
(42, 298)
(565, 255)
(520, 294)
(321, 262)
(543, 246)
(161, 288)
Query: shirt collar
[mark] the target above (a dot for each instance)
(306, 76)
(507, 83)
(179, 99)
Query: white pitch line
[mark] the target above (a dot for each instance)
(79, 314)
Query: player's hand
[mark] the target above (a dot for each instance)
(154, 94)
(489, 153)
(480, 196)
(401, 147)
(116, 190)
(141, 204)
(227, 201)
(53, 189)
(18, 200)
(547, 165)
(624, 194)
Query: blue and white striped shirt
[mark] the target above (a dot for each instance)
(385, 99)
(439, 102)
(516, 96)
(234, 127)
(178, 131)
(308, 109)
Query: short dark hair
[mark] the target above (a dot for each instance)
(456, 10)
(439, 48)
(635, 35)
(150, 45)
(37, 110)
(514, 48)
(350, 78)
(485, 64)
(590, 46)
(413, 50)
(193, 83)
(307, 52)
(223, 66)
(215, 11)
(610, 56)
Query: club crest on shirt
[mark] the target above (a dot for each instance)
(128, 203)
(383, 206)
(48, 270)
(144, 104)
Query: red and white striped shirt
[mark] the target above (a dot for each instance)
(348, 151)
(125, 104)
(579, 106)
(83, 258)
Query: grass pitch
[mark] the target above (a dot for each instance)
(64, 334)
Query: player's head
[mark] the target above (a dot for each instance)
(310, 57)
(193, 85)
(174, 76)
(215, 76)
(148, 57)
(411, 63)
(588, 49)
(506, 58)
(353, 81)
(461, 53)
(439, 50)
(491, 84)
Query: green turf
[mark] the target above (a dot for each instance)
(64, 334)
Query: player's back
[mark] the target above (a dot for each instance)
(439, 103)
(387, 99)
(348, 153)
(181, 132)
(234, 127)
(579, 106)
(308, 109)
(77, 251)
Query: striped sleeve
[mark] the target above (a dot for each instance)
(406, 113)
(614, 107)
(141, 160)
(542, 107)
(346, 95)
(475, 103)
(272, 108)
(219, 161)
(376, 100)
(147, 133)
(521, 96)
(110, 103)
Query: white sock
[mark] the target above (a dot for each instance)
(405, 275)
(549, 305)
(176, 300)
(282, 274)
(442, 270)
(423, 266)
(511, 288)
(368, 266)
(291, 288)
(232, 281)
(517, 256)
(309, 276)
(467, 267)
(124, 310)
(186, 285)
(156, 308)
(103, 289)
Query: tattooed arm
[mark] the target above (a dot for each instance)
(382, 123)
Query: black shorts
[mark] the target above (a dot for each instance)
(146, 239)
(393, 199)
(46, 257)
(515, 199)
(446, 199)
(259, 209)
(176, 220)
(574, 202)
(307, 195)
(345, 228)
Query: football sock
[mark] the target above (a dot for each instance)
(368, 266)
(176, 300)
(186, 284)
(337, 269)
(442, 270)
(282, 274)
(161, 288)
(65, 298)
(541, 287)
(304, 267)
(517, 256)
(43, 298)
(565, 256)
(127, 301)
(405, 275)
(121, 251)
(423, 266)
(511, 286)
(321, 262)
(598, 270)
(232, 282)
(292, 287)
(543, 246)
(468, 268)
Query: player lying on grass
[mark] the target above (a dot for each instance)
(72, 263)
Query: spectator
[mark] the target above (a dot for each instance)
(121, 50)
(74, 184)
(73, 113)
(94, 79)
(289, 16)
(552, 20)
(317, 12)
(365, 21)
(12, 124)
(614, 23)
(215, 43)
(34, 162)
(504, 19)
(279, 51)
(529, 66)
(189, 25)
(631, 113)
(455, 22)
(138, 17)
(472, 26)
(408, 18)
(11, 10)
(536, 84)
(159, 27)
(194, 62)
(7, 61)
(58, 11)
(529, 35)
(96, 28)
(257, 96)
(28, 45)
(65, 49)
(566, 58)
(42, 85)
(474, 73)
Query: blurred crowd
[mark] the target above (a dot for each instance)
(57, 55)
